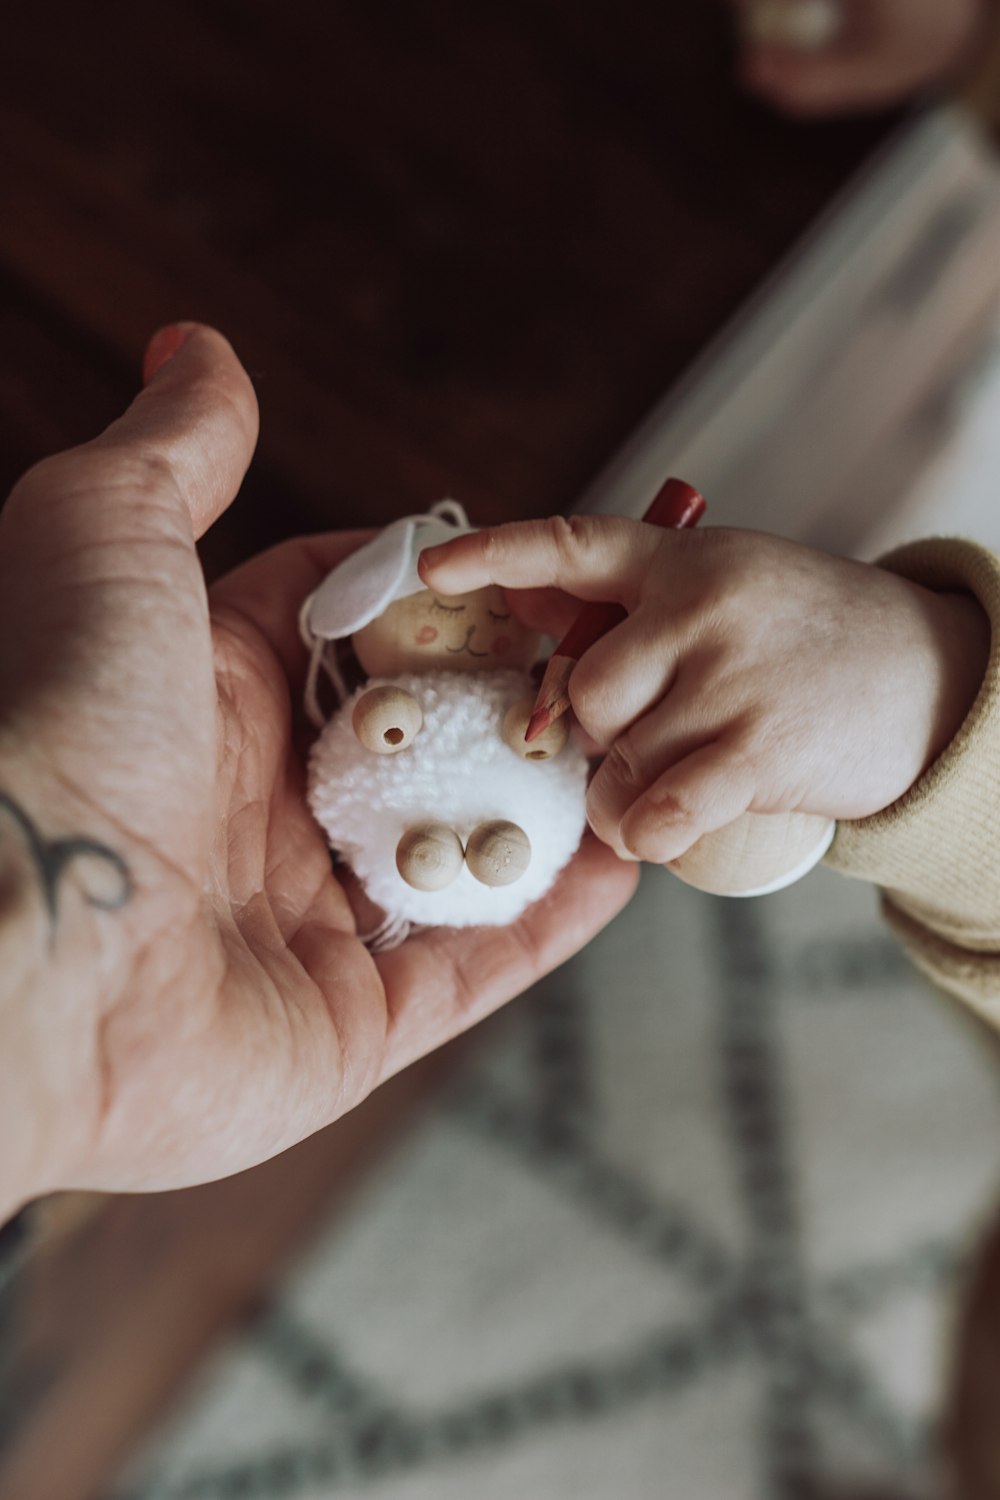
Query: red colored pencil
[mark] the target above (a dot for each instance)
(677, 505)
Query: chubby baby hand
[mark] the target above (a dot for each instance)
(751, 675)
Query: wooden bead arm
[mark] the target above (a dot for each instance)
(387, 720)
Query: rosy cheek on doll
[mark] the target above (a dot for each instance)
(501, 646)
(426, 635)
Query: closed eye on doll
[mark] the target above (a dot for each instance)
(497, 617)
(448, 609)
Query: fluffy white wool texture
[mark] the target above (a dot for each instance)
(458, 771)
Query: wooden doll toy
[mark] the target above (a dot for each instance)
(421, 778)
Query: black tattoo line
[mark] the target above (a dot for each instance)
(51, 857)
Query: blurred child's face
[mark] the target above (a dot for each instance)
(426, 633)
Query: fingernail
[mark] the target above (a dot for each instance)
(163, 346)
(622, 847)
(431, 556)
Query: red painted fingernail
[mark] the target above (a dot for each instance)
(163, 346)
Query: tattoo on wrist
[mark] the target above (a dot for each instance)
(51, 857)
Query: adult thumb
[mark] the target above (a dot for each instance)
(175, 458)
(197, 415)
(98, 567)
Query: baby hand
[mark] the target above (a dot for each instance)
(751, 675)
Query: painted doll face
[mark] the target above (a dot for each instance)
(464, 633)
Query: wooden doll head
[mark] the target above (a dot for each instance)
(426, 633)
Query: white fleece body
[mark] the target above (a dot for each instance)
(458, 771)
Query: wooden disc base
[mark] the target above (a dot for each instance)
(757, 854)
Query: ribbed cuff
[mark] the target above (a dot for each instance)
(936, 852)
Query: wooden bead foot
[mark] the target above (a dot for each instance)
(429, 857)
(545, 746)
(498, 853)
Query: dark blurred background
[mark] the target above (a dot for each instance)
(461, 248)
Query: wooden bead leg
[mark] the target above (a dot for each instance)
(545, 746)
(430, 856)
(387, 719)
(498, 853)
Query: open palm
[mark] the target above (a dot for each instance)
(231, 1008)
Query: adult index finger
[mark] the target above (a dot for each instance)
(591, 557)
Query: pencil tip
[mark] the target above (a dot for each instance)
(537, 724)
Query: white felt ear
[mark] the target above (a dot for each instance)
(363, 585)
(367, 582)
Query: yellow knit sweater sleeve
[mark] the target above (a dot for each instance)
(936, 852)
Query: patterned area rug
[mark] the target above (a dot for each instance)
(691, 1223)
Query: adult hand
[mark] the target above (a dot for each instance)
(182, 990)
(883, 51)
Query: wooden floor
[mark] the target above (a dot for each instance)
(461, 248)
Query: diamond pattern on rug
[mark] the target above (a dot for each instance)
(692, 1221)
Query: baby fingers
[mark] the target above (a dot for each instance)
(591, 557)
(624, 675)
(707, 790)
(663, 784)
